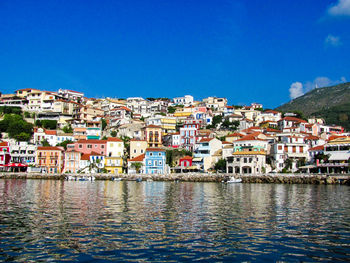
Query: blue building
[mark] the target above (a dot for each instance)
(155, 161)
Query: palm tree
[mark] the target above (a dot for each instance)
(137, 166)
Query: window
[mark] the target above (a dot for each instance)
(95, 145)
(89, 146)
(150, 154)
(160, 162)
(135, 151)
(102, 146)
(159, 154)
(141, 151)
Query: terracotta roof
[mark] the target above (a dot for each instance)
(236, 134)
(114, 139)
(317, 148)
(4, 144)
(50, 132)
(155, 150)
(49, 148)
(225, 142)
(186, 158)
(293, 119)
(85, 157)
(250, 137)
(333, 137)
(95, 154)
(138, 158)
(312, 137)
(272, 111)
(206, 140)
(272, 130)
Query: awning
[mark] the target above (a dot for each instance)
(197, 159)
(16, 165)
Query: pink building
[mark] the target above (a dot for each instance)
(88, 146)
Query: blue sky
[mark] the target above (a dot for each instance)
(248, 51)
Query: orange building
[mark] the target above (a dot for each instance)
(50, 159)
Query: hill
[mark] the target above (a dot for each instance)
(330, 103)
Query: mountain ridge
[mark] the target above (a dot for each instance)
(330, 103)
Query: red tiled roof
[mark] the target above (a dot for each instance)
(236, 134)
(95, 154)
(333, 137)
(114, 139)
(138, 158)
(85, 157)
(293, 119)
(225, 142)
(250, 137)
(312, 137)
(155, 150)
(206, 140)
(4, 144)
(186, 158)
(50, 132)
(272, 111)
(317, 148)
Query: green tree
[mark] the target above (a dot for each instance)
(137, 166)
(104, 124)
(23, 137)
(171, 109)
(67, 129)
(26, 114)
(113, 133)
(288, 163)
(47, 124)
(64, 144)
(174, 155)
(15, 125)
(220, 165)
(104, 137)
(45, 143)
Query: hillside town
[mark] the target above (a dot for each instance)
(66, 132)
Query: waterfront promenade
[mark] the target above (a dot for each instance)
(279, 178)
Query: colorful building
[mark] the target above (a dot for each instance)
(114, 156)
(155, 161)
(50, 159)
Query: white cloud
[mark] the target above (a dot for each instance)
(332, 41)
(341, 8)
(296, 90)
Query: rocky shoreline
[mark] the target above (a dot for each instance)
(343, 179)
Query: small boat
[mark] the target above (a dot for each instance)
(116, 179)
(234, 180)
(138, 180)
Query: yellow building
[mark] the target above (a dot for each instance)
(114, 156)
(153, 135)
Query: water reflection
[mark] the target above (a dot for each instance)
(158, 221)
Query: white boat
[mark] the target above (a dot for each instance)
(234, 180)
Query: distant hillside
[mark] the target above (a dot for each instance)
(331, 103)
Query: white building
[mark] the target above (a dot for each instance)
(186, 100)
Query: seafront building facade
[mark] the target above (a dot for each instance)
(112, 135)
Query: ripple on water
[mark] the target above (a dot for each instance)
(168, 222)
